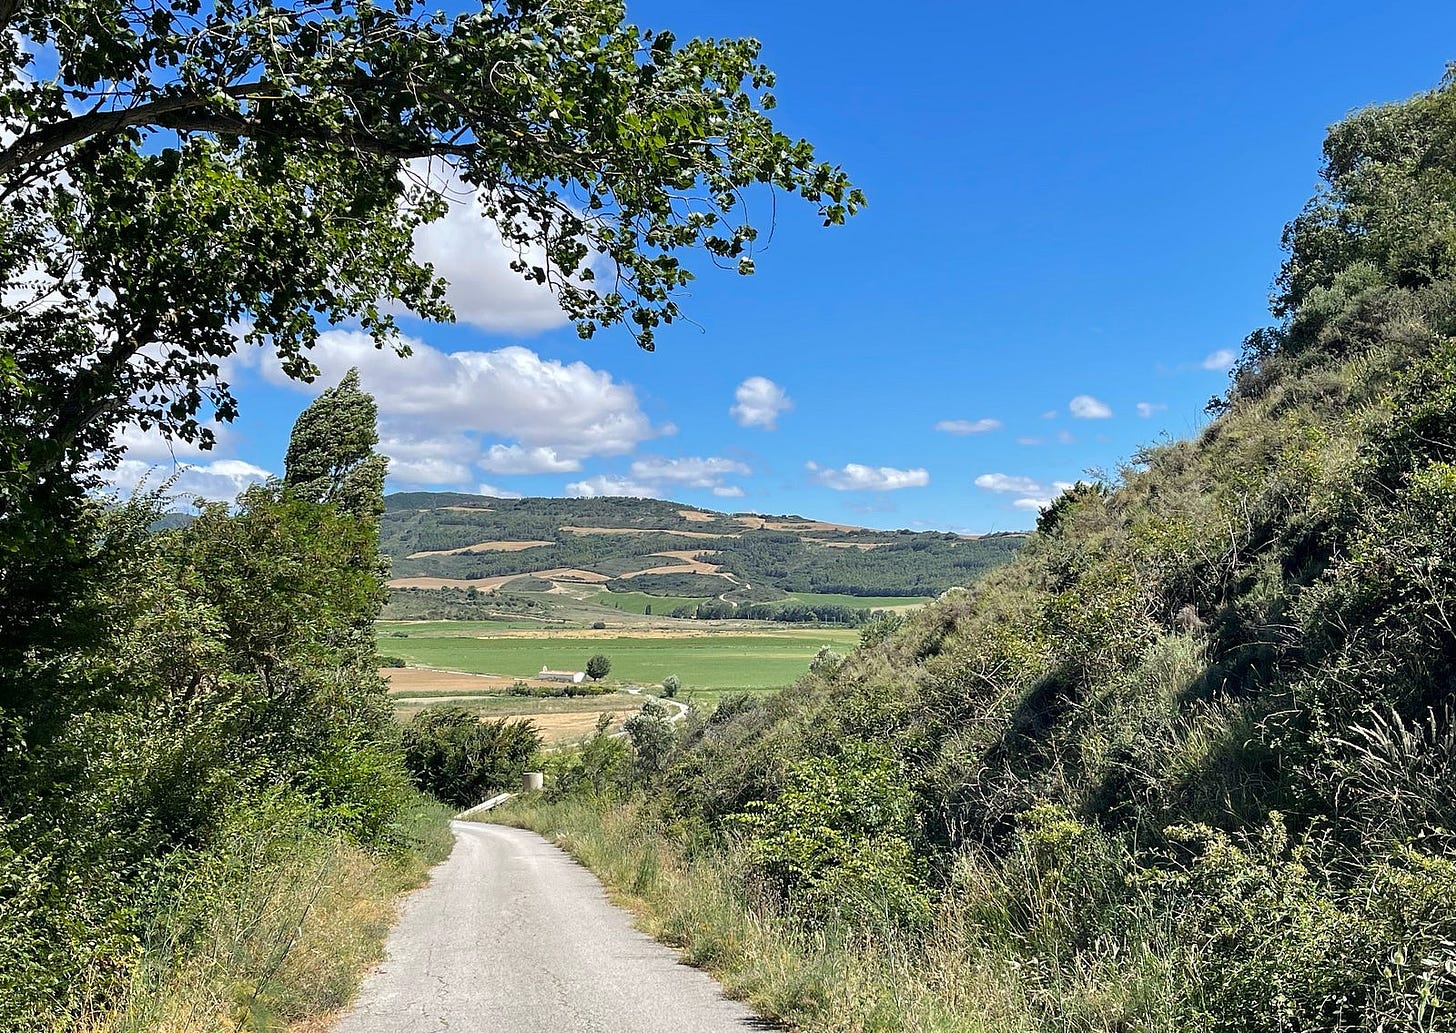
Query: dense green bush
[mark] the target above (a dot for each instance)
(461, 759)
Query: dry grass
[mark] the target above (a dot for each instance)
(693, 516)
(481, 547)
(570, 529)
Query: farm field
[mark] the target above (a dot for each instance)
(559, 719)
(637, 602)
(705, 660)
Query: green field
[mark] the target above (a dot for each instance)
(711, 662)
(637, 602)
(859, 602)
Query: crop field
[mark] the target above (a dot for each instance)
(706, 661)
(637, 602)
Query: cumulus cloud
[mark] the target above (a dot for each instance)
(604, 485)
(1034, 495)
(1085, 407)
(220, 480)
(1148, 409)
(1223, 359)
(692, 471)
(967, 426)
(728, 491)
(436, 407)
(497, 493)
(467, 251)
(151, 445)
(858, 477)
(516, 459)
(759, 403)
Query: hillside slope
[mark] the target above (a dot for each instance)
(1187, 761)
(665, 548)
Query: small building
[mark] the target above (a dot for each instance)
(569, 677)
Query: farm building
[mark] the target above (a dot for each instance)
(570, 677)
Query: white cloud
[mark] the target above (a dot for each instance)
(1222, 359)
(1148, 409)
(858, 477)
(609, 485)
(466, 249)
(1029, 441)
(1065, 437)
(1050, 414)
(1085, 407)
(219, 480)
(151, 445)
(435, 407)
(759, 403)
(967, 426)
(692, 471)
(516, 459)
(1034, 494)
(1009, 483)
(728, 491)
(497, 493)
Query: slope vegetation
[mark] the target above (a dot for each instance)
(665, 548)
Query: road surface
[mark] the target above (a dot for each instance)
(513, 936)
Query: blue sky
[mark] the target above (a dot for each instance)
(1074, 220)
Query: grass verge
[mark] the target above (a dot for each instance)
(819, 981)
(277, 933)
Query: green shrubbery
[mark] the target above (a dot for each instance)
(214, 728)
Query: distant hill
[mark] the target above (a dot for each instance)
(449, 540)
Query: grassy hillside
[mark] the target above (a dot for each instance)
(668, 549)
(1187, 761)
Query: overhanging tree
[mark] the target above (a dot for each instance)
(182, 179)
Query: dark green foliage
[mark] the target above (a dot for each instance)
(598, 666)
(331, 455)
(460, 759)
(219, 685)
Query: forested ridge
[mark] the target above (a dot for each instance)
(1187, 762)
(787, 553)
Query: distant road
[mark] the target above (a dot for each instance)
(513, 936)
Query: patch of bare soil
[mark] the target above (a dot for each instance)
(404, 680)
(861, 546)
(570, 529)
(759, 523)
(484, 584)
(480, 547)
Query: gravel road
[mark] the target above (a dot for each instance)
(513, 936)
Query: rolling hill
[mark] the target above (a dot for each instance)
(626, 554)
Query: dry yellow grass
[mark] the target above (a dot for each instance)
(572, 529)
(405, 680)
(760, 524)
(692, 516)
(861, 546)
(480, 547)
(484, 584)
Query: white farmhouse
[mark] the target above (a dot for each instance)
(569, 677)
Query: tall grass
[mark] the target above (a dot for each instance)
(274, 933)
(948, 978)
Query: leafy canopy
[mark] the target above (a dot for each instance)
(179, 175)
